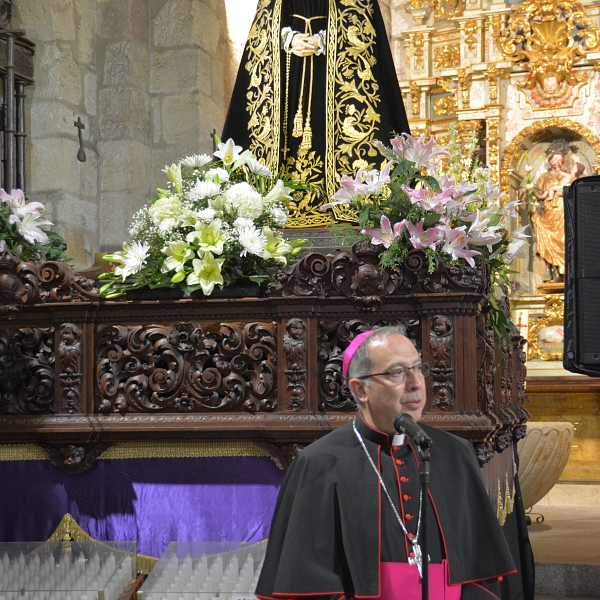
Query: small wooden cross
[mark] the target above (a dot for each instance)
(81, 152)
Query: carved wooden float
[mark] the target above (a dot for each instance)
(78, 373)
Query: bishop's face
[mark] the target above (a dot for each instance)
(381, 398)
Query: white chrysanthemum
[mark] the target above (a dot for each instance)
(208, 214)
(196, 161)
(279, 216)
(222, 174)
(165, 209)
(132, 259)
(242, 222)
(252, 240)
(257, 168)
(244, 201)
(203, 189)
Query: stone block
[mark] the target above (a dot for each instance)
(123, 112)
(86, 24)
(126, 63)
(36, 18)
(90, 92)
(156, 119)
(205, 81)
(139, 21)
(58, 76)
(113, 20)
(54, 164)
(115, 213)
(88, 174)
(125, 166)
(63, 17)
(172, 25)
(207, 28)
(51, 117)
(180, 119)
(176, 70)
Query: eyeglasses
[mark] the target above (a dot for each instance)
(399, 374)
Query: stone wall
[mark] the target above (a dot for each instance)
(147, 79)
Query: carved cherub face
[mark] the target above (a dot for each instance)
(296, 329)
(550, 83)
(67, 335)
(441, 326)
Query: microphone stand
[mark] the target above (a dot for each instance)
(424, 476)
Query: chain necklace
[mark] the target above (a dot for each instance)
(418, 558)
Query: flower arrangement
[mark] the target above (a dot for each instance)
(216, 223)
(23, 229)
(452, 212)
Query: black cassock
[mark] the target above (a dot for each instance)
(333, 525)
(316, 117)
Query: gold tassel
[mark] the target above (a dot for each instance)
(306, 144)
(297, 131)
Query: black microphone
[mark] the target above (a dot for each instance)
(404, 423)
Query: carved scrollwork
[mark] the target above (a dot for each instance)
(69, 356)
(26, 283)
(27, 371)
(357, 275)
(294, 347)
(215, 366)
(441, 343)
(282, 454)
(334, 338)
(75, 458)
(308, 277)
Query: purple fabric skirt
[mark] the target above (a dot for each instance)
(151, 500)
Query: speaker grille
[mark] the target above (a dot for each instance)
(588, 260)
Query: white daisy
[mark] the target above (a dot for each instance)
(196, 161)
(212, 174)
(257, 168)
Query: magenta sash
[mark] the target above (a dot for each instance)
(401, 581)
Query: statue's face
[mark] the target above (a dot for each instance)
(556, 161)
(550, 83)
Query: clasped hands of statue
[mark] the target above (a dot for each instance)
(304, 44)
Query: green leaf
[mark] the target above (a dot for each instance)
(431, 219)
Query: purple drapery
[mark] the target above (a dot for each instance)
(151, 500)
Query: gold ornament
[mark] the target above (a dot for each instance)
(548, 38)
(446, 57)
(445, 9)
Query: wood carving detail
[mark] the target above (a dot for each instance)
(441, 343)
(27, 371)
(75, 458)
(334, 338)
(26, 283)
(485, 363)
(186, 368)
(294, 347)
(69, 356)
(357, 275)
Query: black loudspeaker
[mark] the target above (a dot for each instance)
(582, 277)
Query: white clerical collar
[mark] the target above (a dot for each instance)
(399, 439)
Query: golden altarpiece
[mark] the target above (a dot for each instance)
(526, 79)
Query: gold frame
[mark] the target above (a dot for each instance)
(553, 315)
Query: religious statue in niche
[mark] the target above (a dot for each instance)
(548, 207)
(315, 89)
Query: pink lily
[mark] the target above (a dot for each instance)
(416, 151)
(351, 188)
(456, 245)
(421, 239)
(375, 179)
(386, 234)
(481, 233)
(427, 199)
